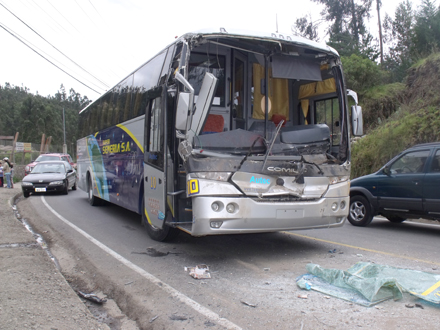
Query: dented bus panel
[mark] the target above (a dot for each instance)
(243, 133)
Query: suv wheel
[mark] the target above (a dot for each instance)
(360, 211)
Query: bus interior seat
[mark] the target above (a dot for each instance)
(276, 119)
(214, 124)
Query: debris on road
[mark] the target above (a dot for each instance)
(92, 297)
(368, 284)
(153, 318)
(152, 252)
(248, 304)
(302, 296)
(178, 318)
(199, 271)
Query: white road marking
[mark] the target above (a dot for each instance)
(167, 288)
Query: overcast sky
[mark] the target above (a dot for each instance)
(99, 42)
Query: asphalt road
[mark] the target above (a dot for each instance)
(252, 284)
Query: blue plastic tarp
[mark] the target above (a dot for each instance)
(368, 284)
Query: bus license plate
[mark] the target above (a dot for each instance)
(40, 189)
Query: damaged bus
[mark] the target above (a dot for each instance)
(223, 133)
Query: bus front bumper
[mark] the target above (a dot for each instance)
(246, 215)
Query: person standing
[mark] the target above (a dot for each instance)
(7, 171)
(1, 175)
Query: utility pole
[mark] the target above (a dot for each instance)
(378, 5)
(64, 130)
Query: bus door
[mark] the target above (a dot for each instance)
(155, 160)
(238, 86)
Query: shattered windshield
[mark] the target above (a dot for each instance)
(295, 88)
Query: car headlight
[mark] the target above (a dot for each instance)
(24, 183)
(56, 183)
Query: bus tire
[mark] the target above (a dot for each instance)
(93, 200)
(164, 234)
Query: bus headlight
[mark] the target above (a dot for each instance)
(217, 206)
(231, 208)
(216, 176)
(337, 179)
(342, 205)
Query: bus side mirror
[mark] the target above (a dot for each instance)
(357, 122)
(182, 112)
(185, 104)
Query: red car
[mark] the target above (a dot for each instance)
(46, 157)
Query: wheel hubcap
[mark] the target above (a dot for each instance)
(357, 211)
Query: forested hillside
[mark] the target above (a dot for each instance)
(34, 115)
(415, 119)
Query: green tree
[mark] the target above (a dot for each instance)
(399, 35)
(305, 27)
(34, 115)
(347, 32)
(427, 29)
(361, 73)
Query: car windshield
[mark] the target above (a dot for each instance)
(43, 158)
(49, 168)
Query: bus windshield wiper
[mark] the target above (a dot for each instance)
(249, 152)
(272, 142)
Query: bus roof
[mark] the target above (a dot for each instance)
(253, 38)
(211, 33)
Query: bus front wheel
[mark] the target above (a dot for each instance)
(93, 200)
(158, 234)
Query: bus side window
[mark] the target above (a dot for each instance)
(154, 128)
(327, 112)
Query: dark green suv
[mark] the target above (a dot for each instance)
(407, 187)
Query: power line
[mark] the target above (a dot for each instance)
(85, 13)
(42, 51)
(95, 9)
(62, 16)
(4, 28)
(54, 46)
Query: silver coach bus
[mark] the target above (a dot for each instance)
(225, 132)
